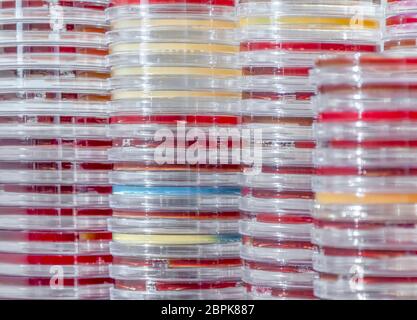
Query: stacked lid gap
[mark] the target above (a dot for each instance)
(175, 213)
(279, 42)
(54, 191)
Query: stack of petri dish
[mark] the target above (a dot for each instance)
(400, 26)
(175, 200)
(365, 219)
(54, 189)
(280, 40)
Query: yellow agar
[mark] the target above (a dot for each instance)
(336, 22)
(368, 198)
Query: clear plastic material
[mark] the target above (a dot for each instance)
(336, 21)
(364, 288)
(175, 198)
(277, 276)
(63, 219)
(255, 292)
(234, 292)
(382, 263)
(54, 242)
(172, 226)
(198, 269)
(192, 251)
(32, 265)
(275, 250)
(53, 11)
(30, 288)
(54, 195)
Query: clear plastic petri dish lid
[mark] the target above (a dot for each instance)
(54, 103)
(175, 44)
(187, 216)
(47, 68)
(256, 105)
(394, 213)
(195, 85)
(39, 288)
(172, 270)
(366, 262)
(277, 156)
(38, 265)
(180, 60)
(276, 206)
(53, 28)
(175, 202)
(283, 132)
(271, 32)
(174, 288)
(61, 80)
(365, 235)
(34, 195)
(170, 178)
(354, 287)
(53, 59)
(172, 226)
(54, 172)
(54, 218)
(400, 133)
(53, 12)
(59, 123)
(268, 193)
(29, 149)
(277, 139)
(282, 229)
(185, 274)
(371, 7)
(73, 38)
(301, 44)
(39, 131)
(233, 293)
(176, 106)
(389, 71)
(278, 181)
(55, 242)
(179, 3)
(198, 10)
(370, 158)
(277, 276)
(366, 185)
(277, 250)
(179, 39)
(253, 80)
(279, 63)
(191, 251)
(176, 191)
(333, 108)
(291, 94)
(137, 158)
(257, 292)
(270, 27)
